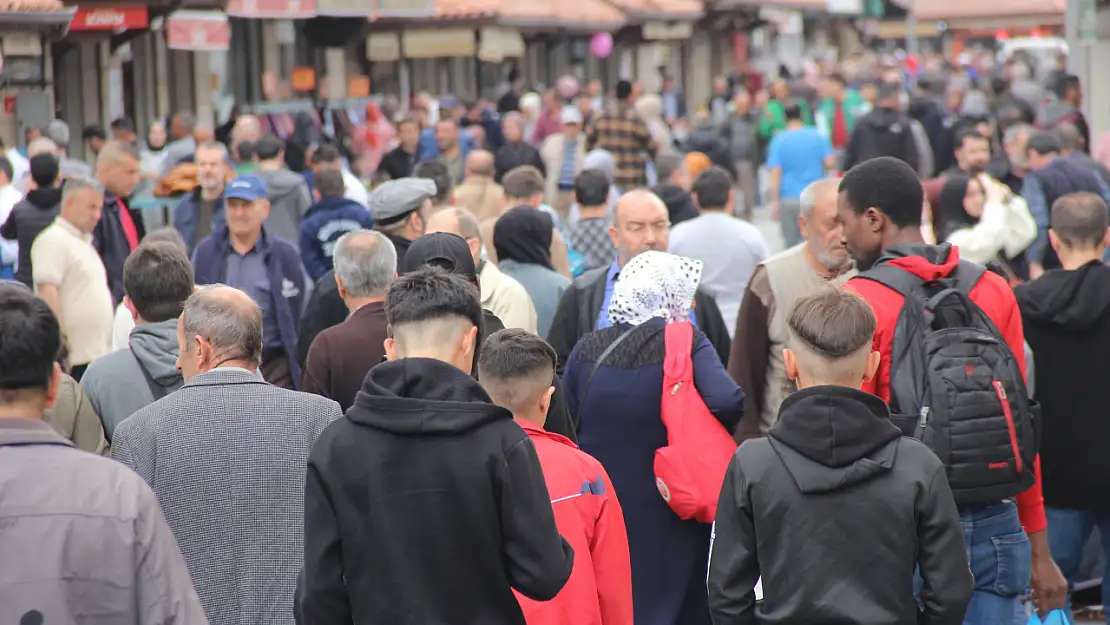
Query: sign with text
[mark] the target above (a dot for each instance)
(109, 18)
(272, 9)
(199, 31)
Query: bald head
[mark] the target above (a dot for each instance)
(461, 222)
(640, 223)
(479, 163)
(247, 128)
(229, 325)
(639, 201)
(821, 192)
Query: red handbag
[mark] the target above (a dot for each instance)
(689, 471)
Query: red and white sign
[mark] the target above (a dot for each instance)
(199, 31)
(109, 18)
(272, 9)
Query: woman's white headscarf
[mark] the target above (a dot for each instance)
(655, 285)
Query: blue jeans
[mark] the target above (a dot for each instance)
(998, 552)
(1068, 532)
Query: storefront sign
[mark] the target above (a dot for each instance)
(272, 9)
(662, 31)
(200, 31)
(303, 79)
(497, 44)
(358, 86)
(383, 46)
(109, 19)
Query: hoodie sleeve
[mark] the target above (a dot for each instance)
(10, 230)
(321, 591)
(946, 578)
(733, 566)
(612, 567)
(538, 560)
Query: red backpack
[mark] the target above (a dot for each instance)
(689, 471)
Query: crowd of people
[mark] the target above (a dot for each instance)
(427, 372)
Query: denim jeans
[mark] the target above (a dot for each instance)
(789, 209)
(998, 552)
(1068, 532)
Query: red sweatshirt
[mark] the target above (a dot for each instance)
(588, 515)
(994, 296)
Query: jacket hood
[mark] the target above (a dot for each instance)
(885, 120)
(423, 396)
(833, 437)
(334, 204)
(1073, 299)
(155, 345)
(281, 182)
(45, 199)
(928, 262)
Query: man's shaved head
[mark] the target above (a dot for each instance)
(639, 199)
(480, 163)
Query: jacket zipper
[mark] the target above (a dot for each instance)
(1000, 391)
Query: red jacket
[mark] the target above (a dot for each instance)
(588, 515)
(991, 293)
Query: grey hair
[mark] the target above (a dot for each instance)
(809, 195)
(215, 145)
(77, 184)
(234, 332)
(168, 234)
(42, 145)
(1015, 131)
(1068, 136)
(366, 262)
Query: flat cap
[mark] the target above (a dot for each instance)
(396, 198)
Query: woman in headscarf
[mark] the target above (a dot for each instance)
(371, 140)
(531, 105)
(650, 109)
(988, 227)
(619, 423)
(522, 238)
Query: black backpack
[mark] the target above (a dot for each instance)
(956, 386)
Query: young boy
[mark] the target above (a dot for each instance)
(835, 509)
(516, 368)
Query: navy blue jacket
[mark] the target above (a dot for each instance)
(286, 282)
(185, 217)
(323, 224)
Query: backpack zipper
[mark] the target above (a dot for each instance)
(924, 418)
(1000, 391)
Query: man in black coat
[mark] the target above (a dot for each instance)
(400, 161)
(516, 151)
(120, 228)
(884, 131)
(640, 223)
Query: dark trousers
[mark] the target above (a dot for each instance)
(275, 367)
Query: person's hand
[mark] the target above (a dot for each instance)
(1050, 589)
(1036, 270)
(994, 190)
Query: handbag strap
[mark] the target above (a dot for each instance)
(593, 372)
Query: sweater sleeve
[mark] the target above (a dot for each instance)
(721, 395)
(748, 359)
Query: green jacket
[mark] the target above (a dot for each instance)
(774, 118)
(853, 106)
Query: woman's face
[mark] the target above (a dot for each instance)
(974, 199)
(157, 137)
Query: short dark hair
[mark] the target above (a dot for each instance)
(515, 366)
(94, 131)
(44, 170)
(329, 182)
(407, 120)
(832, 323)
(268, 147)
(667, 164)
(624, 89)
(429, 293)
(523, 182)
(711, 188)
(245, 151)
(591, 188)
(6, 168)
(30, 340)
(1063, 84)
(1080, 220)
(1044, 143)
(1068, 135)
(326, 153)
(158, 278)
(887, 184)
(968, 133)
(792, 111)
(438, 173)
(123, 123)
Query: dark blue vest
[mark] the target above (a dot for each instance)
(1058, 179)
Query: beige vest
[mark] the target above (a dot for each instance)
(790, 278)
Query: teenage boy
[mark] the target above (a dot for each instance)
(834, 509)
(516, 369)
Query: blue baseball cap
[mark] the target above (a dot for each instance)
(248, 188)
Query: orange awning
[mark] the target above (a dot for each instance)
(23, 15)
(961, 9)
(663, 10)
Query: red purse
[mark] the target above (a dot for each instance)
(689, 471)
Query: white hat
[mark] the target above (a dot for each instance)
(571, 115)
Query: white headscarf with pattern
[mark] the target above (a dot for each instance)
(655, 285)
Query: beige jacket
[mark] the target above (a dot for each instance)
(84, 539)
(507, 298)
(481, 196)
(74, 418)
(553, 152)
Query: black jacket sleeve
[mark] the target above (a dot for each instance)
(537, 559)
(558, 416)
(321, 592)
(564, 332)
(10, 230)
(710, 322)
(946, 579)
(909, 147)
(852, 149)
(733, 566)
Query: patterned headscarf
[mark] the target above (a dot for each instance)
(655, 284)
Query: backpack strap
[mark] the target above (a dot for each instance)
(967, 275)
(893, 278)
(593, 372)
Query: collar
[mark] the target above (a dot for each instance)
(29, 432)
(614, 271)
(536, 431)
(227, 375)
(367, 310)
(87, 237)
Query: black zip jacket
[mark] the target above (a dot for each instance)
(834, 509)
(29, 217)
(426, 504)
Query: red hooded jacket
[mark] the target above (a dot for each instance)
(588, 515)
(991, 293)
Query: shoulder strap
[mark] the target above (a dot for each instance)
(967, 275)
(593, 372)
(678, 353)
(890, 276)
(156, 389)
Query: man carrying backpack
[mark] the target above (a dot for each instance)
(953, 366)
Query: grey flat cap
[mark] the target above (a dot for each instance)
(58, 132)
(396, 198)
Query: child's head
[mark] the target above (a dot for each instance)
(516, 368)
(830, 340)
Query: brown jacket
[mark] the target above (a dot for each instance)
(341, 355)
(481, 196)
(83, 535)
(74, 418)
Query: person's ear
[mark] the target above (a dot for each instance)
(803, 226)
(264, 207)
(875, 219)
(1105, 238)
(390, 348)
(469, 341)
(204, 353)
(613, 236)
(873, 360)
(545, 400)
(130, 306)
(475, 249)
(1054, 241)
(54, 386)
(340, 288)
(791, 363)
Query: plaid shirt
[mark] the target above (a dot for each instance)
(624, 135)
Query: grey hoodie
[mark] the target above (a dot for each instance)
(289, 201)
(115, 384)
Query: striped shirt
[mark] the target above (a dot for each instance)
(624, 135)
(566, 174)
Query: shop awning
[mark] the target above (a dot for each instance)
(345, 8)
(961, 9)
(35, 15)
(660, 10)
(438, 43)
(586, 15)
(109, 19)
(199, 31)
(272, 9)
(391, 9)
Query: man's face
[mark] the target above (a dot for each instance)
(1015, 151)
(124, 135)
(743, 101)
(157, 137)
(780, 90)
(571, 130)
(682, 178)
(720, 85)
(83, 209)
(824, 233)
(447, 135)
(410, 135)
(668, 85)
(974, 155)
(96, 144)
(178, 129)
(120, 178)
(245, 217)
(862, 232)
(211, 169)
(1074, 96)
(595, 88)
(640, 226)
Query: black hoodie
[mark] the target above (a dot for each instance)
(1066, 316)
(426, 504)
(882, 132)
(29, 217)
(834, 509)
(680, 206)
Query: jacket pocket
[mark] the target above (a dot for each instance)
(1013, 562)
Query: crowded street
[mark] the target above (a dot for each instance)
(652, 312)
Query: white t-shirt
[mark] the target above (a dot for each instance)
(354, 190)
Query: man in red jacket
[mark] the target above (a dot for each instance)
(880, 207)
(516, 368)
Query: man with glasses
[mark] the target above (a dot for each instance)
(640, 223)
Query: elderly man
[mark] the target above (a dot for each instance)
(120, 228)
(69, 275)
(226, 456)
(516, 151)
(639, 224)
(478, 193)
(244, 255)
(524, 187)
(756, 361)
(563, 153)
(183, 144)
(365, 266)
(201, 212)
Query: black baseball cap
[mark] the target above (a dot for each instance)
(441, 249)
